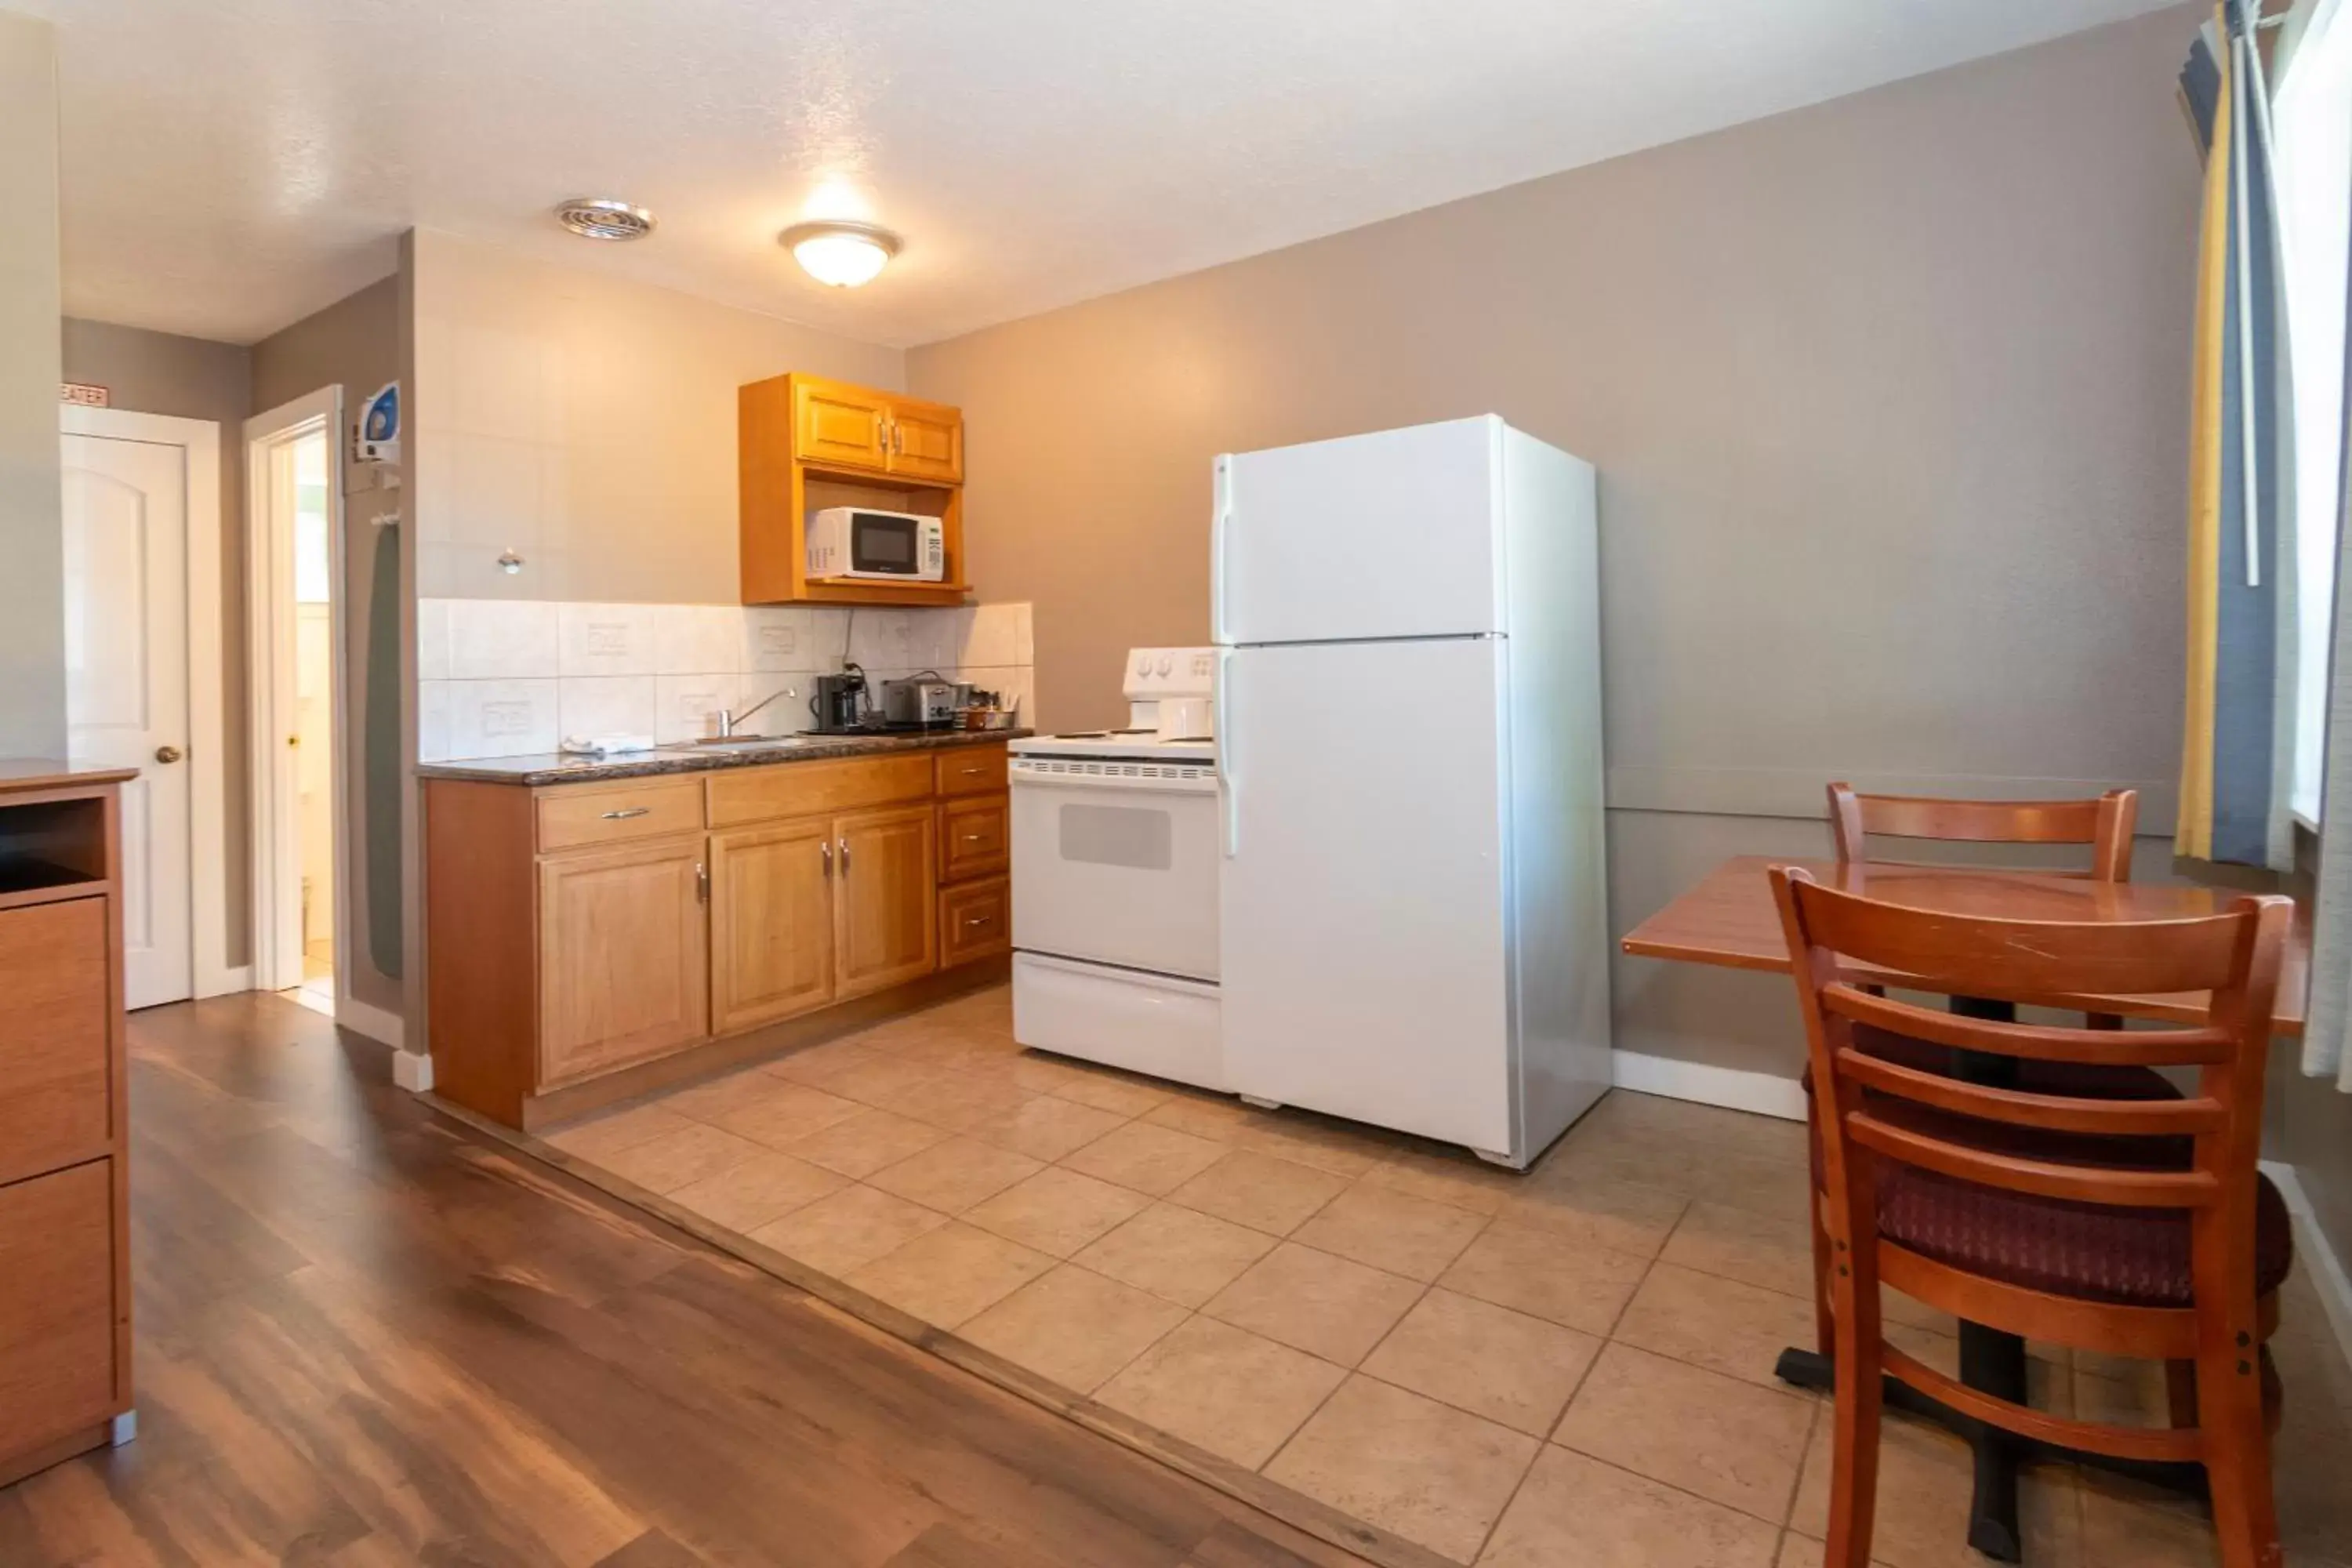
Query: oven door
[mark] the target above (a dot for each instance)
(1116, 871)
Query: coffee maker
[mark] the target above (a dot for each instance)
(839, 706)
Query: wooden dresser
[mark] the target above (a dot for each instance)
(64, 1255)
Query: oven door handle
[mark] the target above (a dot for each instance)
(1082, 783)
(1229, 786)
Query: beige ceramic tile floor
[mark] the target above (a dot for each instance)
(1571, 1366)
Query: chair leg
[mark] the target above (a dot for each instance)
(1854, 1456)
(2238, 1460)
(2180, 1392)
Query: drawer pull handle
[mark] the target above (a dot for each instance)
(979, 920)
(627, 812)
(972, 838)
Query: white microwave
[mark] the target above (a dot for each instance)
(852, 541)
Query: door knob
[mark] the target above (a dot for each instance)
(167, 754)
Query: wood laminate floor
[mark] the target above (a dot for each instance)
(364, 1337)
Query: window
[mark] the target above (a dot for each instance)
(2312, 120)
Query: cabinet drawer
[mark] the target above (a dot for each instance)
(816, 789)
(975, 837)
(56, 1052)
(57, 1316)
(573, 814)
(975, 920)
(972, 770)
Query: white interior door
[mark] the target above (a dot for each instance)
(1362, 938)
(126, 526)
(1392, 534)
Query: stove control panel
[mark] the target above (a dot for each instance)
(1158, 672)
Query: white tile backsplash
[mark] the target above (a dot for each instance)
(686, 706)
(698, 638)
(432, 639)
(592, 705)
(501, 639)
(488, 669)
(501, 717)
(607, 639)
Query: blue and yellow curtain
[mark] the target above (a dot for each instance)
(2238, 747)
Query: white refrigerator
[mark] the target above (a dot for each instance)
(1414, 898)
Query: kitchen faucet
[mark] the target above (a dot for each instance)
(728, 718)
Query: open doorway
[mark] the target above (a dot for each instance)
(294, 613)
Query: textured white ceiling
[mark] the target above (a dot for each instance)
(231, 165)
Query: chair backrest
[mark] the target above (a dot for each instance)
(2234, 955)
(2106, 824)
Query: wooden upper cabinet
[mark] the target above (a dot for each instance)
(624, 970)
(834, 422)
(771, 923)
(884, 929)
(803, 443)
(926, 441)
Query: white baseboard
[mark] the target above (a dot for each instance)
(413, 1071)
(1735, 1088)
(376, 1023)
(2318, 1258)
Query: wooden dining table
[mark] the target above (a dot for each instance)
(1729, 921)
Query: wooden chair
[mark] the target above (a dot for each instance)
(2140, 1228)
(2106, 824)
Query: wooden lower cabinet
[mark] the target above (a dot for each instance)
(624, 964)
(771, 922)
(882, 929)
(576, 934)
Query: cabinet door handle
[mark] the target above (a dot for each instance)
(701, 883)
(627, 812)
(842, 847)
(825, 847)
(898, 437)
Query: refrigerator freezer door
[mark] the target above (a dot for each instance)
(1362, 932)
(1387, 535)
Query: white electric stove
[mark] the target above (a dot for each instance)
(1114, 862)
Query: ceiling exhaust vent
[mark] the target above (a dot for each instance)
(596, 217)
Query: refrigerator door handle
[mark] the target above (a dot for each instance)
(1220, 515)
(1228, 782)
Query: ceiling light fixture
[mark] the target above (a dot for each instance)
(839, 252)
(601, 217)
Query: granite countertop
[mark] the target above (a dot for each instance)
(557, 767)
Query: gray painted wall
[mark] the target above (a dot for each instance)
(1888, 397)
(32, 587)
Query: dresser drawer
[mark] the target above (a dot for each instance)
(816, 789)
(58, 1315)
(972, 770)
(975, 920)
(56, 1052)
(975, 837)
(570, 815)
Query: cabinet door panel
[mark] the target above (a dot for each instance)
(974, 839)
(623, 969)
(840, 424)
(57, 1311)
(927, 441)
(771, 923)
(883, 921)
(56, 1055)
(975, 922)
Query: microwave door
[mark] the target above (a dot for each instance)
(882, 546)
